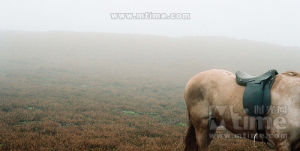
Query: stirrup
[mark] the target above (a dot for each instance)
(254, 139)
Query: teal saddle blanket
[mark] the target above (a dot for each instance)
(257, 94)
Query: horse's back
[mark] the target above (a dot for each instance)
(211, 84)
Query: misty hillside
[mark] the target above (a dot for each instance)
(126, 58)
(100, 91)
(140, 56)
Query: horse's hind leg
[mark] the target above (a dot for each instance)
(203, 134)
(200, 120)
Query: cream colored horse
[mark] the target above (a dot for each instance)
(214, 93)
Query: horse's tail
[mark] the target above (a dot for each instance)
(190, 139)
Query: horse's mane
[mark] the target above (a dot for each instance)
(292, 73)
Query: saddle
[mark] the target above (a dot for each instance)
(257, 94)
(257, 97)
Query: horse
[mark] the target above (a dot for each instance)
(213, 96)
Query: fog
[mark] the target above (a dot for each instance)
(76, 75)
(139, 56)
(260, 20)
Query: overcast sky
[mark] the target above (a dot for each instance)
(273, 21)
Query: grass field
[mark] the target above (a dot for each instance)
(72, 112)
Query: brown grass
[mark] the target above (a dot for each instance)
(66, 112)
